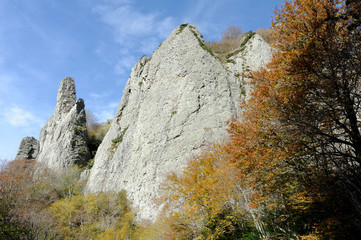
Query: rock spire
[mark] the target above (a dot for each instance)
(63, 138)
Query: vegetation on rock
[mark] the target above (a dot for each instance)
(96, 133)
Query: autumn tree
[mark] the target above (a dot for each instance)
(312, 86)
(204, 202)
(14, 178)
(96, 132)
(319, 74)
(230, 41)
(296, 148)
(102, 216)
(266, 34)
(232, 32)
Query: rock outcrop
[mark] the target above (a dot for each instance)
(253, 54)
(174, 103)
(63, 138)
(28, 149)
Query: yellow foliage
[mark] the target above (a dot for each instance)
(102, 216)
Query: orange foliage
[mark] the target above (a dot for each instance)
(14, 198)
(280, 149)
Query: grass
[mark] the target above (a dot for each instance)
(243, 91)
(90, 164)
(201, 43)
(249, 35)
(182, 27)
(230, 61)
(120, 138)
(79, 129)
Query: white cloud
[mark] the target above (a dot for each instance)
(19, 117)
(106, 112)
(124, 64)
(200, 7)
(105, 115)
(128, 22)
(137, 32)
(95, 95)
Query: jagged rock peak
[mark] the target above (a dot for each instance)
(174, 104)
(253, 54)
(28, 149)
(63, 138)
(66, 96)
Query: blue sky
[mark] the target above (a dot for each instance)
(96, 42)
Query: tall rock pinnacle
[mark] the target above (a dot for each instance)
(63, 138)
(66, 96)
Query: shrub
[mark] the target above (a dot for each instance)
(101, 216)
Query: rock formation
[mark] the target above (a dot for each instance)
(253, 54)
(63, 138)
(28, 149)
(174, 103)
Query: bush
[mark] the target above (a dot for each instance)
(102, 216)
(229, 43)
(96, 133)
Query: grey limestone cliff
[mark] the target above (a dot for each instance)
(63, 138)
(28, 149)
(174, 103)
(253, 54)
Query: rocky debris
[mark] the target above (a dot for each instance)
(28, 149)
(174, 104)
(63, 138)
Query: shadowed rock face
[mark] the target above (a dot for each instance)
(174, 104)
(63, 138)
(28, 149)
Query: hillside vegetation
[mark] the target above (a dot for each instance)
(290, 170)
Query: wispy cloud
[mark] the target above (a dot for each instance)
(135, 31)
(128, 22)
(102, 111)
(19, 117)
(124, 64)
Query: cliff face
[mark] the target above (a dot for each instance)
(63, 138)
(174, 103)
